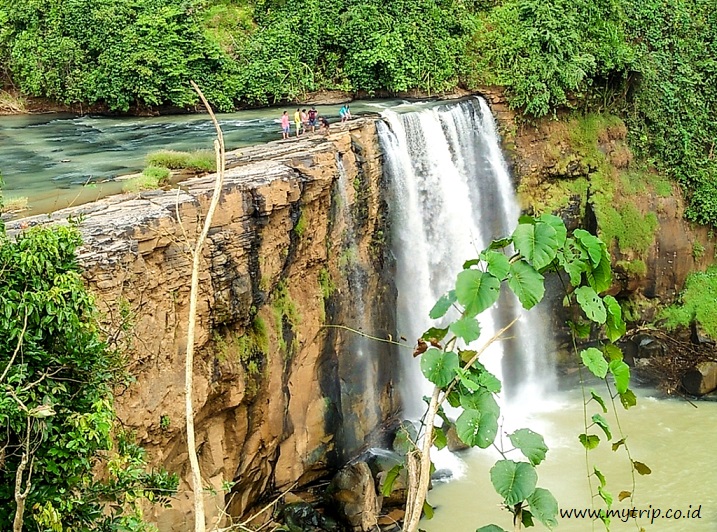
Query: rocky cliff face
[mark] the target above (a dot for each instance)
(279, 396)
(582, 169)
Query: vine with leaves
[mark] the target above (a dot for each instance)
(448, 360)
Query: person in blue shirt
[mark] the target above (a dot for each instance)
(345, 113)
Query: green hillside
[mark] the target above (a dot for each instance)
(653, 62)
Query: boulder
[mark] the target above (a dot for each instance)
(699, 336)
(354, 492)
(701, 379)
(302, 517)
(453, 442)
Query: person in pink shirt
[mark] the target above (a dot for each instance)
(285, 125)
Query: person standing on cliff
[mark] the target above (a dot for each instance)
(297, 121)
(304, 120)
(285, 125)
(313, 113)
(345, 113)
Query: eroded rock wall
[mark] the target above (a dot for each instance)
(279, 397)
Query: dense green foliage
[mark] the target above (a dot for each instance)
(546, 51)
(654, 62)
(145, 51)
(675, 96)
(697, 303)
(56, 378)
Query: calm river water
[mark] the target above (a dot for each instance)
(55, 160)
(677, 441)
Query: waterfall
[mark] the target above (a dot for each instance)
(450, 195)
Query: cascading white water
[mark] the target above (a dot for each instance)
(451, 195)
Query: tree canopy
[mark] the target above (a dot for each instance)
(64, 461)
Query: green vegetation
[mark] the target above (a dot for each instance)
(152, 177)
(250, 350)
(652, 62)
(14, 203)
(635, 267)
(300, 226)
(61, 439)
(698, 250)
(545, 52)
(697, 303)
(199, 160)
(286, 313)
(541, 245)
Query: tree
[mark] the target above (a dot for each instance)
(65, 464)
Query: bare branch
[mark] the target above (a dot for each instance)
(199, 519)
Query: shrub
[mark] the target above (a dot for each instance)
(199, 160)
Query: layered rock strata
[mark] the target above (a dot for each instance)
(280, 397)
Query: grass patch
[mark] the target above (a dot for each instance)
(14, 203)
(199, 160)
(140, 183)
(696, 303)
(158, 172)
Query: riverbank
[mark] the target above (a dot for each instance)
(12, 102)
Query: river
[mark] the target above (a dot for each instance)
(55, 160)
(675, 439)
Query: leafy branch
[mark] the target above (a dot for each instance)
(539, 245)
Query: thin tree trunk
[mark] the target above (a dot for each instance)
(20, 494)
(414, 510)
(197, 487)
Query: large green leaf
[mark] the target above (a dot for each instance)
(482, 400)
(538, 243)
(490, 528)
(592, 305)
(476, 428)
(439, 438)
(600, 277)
(476, 291)
(466, 328)
(595, 361)
(526, 283)
(435, 333)
(531, 444)
(442, 305)
(621, 373)
(599, 400)
(592, 244)
(514, 481)
(615, 326)
(439, 367)
(391, 476)
(628, 399)
(556, 222)
(498, 264)
(573, 259)
(544, 507)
